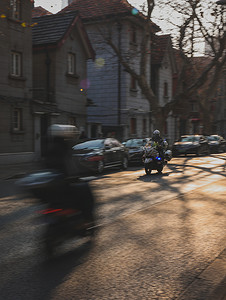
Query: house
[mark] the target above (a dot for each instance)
(16, 120)
(61, 49)
(218, 101)
(202, 110)
(119, 108)
(163, 74)
(220, 105)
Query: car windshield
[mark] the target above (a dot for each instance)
(95, 144)
(213, 138)
(135, 143)
(189, 139)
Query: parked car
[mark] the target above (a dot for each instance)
(97, 155)
(216, 143)
(135, 149)
(191, 144)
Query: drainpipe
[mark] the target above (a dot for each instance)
(47, 62)
(119, 74)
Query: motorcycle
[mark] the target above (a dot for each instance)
(69, 207)
(153, 160)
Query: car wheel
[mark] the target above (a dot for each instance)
(208, 151)
(125, 163)
(100, 167)
(198, 152)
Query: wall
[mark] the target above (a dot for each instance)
(15, 92)
(103, 76)
(71, 101)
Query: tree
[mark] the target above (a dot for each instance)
(200, 22)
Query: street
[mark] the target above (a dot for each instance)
(159, 237)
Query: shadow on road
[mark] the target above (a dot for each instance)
(41, 277)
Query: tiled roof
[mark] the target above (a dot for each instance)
(40, 11)
(158, 47)
(90, 10)
(50, 29)
(93, 9)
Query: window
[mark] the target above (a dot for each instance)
(15, 9)
(133, 126)
(16, 63)
(194, 106)
(17, 119)
(133, 84)
(71, 63)
(165, 89)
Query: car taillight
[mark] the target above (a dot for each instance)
(95, 158)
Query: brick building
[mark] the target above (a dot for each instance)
(16, 123)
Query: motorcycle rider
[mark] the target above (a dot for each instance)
(160, 144)
(61, 139)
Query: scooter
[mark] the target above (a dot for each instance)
(69, 207)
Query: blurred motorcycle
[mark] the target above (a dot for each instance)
(69, 207)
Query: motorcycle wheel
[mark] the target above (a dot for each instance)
(160, 169)
(147, 171)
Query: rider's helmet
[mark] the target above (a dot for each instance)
(65, 132)
(156, 135)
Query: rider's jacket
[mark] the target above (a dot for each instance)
(160, 145)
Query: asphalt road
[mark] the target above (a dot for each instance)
(159, 237)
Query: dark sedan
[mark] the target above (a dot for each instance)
(216, 143)
(97, 155)
(191, 144)
(135, 148)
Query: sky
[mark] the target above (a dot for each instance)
(51, 5)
